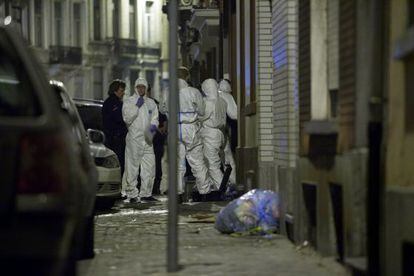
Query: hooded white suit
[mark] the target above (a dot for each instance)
(225, 94)
(139, 152)
(214, 122)
(190, 145)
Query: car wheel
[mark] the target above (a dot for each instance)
(70, 268)
(105, 203)
(89, 239)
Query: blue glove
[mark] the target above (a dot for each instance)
(140, 102)
(153, 129)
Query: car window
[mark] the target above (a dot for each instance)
(16, 96)
(91, 116)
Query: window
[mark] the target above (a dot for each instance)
(150, 77)
(133, 75)
(148, 21)
(91, 115)
(407, 258)
(58, 20)
(115, 17)
(3, 7)
(148, 6)
(17, 15)
(38, 28)
(333, 56)
(132, 19)
(333, 99)
(248, 50)
(410, 13)
(409, 94)
(97, 20)
(16, 93)
(79, 87)
(77, 29)
(98, 83)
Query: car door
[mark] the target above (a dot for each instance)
(87, 174)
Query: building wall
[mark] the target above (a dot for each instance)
(285, 81)
(400, 138)
(304, 69)
(265, 94)
(330, 193)
(347, 76)
(285, 97)
(399, 141)
(333, 45)
(79, 78)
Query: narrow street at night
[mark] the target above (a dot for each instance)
(282, 132)
(131, 240)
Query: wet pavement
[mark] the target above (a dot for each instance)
(131, 240)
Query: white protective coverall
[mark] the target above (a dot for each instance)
(214, 122)
(164, 99)
(163, 107)
(190, 145)
(225, 94)
(138, 152)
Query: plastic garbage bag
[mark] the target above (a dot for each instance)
(257, 210)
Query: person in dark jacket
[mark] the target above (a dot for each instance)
(113, 124)
(158, 145)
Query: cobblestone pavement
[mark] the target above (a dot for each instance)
(131, 240)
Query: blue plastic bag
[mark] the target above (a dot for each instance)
(257, 210)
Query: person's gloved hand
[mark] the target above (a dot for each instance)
(149, 134)
(153, 129)
(140, 102)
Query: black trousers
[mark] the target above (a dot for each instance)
(159, 153)
(117, 144)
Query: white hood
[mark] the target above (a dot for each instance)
(182, 84)
(140, 81)
(210, 88)
(224, 86)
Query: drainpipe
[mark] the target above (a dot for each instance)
(172, 237)
(221, 39)
(375, 193)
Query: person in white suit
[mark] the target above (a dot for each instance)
(214, 123)
(225, 93)
(140, 114)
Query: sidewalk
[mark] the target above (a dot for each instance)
(132, 241)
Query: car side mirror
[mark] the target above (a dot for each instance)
(96, 136)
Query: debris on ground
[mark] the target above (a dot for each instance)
(256, 212)
(305, 244)
(201, 218)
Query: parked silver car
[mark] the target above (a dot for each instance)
(46, 195)
(106, 161)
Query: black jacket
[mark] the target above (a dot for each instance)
(159, 138)
(113, 123)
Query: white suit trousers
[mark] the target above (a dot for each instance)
(138, 154)
(190, 147)
(213, 142)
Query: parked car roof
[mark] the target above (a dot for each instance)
(88, 101)
(90, 112)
